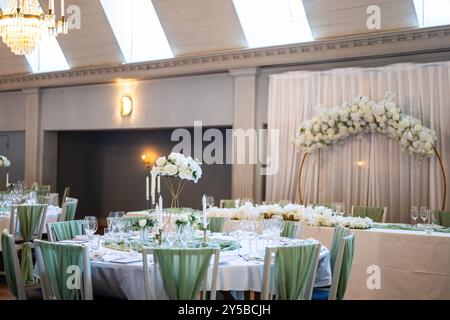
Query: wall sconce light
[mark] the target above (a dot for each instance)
(360, 163)
(148, 159)
(126, 106)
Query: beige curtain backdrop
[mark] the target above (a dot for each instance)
(388, 176)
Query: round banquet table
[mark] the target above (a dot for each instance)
(121, 274)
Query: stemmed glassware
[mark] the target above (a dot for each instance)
(90, 226)
(209, 202)
(424, 214)
(414, 214)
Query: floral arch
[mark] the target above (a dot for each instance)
(366, 116)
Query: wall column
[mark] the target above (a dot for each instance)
(243, 176)
(32, 129)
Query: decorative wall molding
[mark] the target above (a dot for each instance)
(374, 44)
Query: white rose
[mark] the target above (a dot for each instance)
(161, 161)
(142, 223)
(170, 169)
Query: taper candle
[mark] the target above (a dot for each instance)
(204, 212)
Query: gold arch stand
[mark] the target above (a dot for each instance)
(438, 156)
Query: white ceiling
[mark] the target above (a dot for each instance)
(204, 26)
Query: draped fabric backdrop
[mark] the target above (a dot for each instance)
(385, 176)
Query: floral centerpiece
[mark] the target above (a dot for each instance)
(363, 116)
(178, 166)
(4, 162)
(144, 224)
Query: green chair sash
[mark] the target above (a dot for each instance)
(216, 224)
(59, 261)
(29, 219)
(289, 229)
(8, 263)
(66, 230)
(294, 266)
(347, 260)
(442, 218)
(374, 213)
(183, 271)
(42, 190)
(228, 203)
(71, 209)
(339, 232)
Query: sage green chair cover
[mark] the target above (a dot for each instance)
(42, 190)
(71, 209)
(294, 266)
(228, 203)
(42, 199)
(57, 259)
(66, 230)
(8, 263)
(216, 224)
(442, 218)
(346, 267)
(29, 220)
(339, 233)
(183, 271)
(289, 228)
(374, 213)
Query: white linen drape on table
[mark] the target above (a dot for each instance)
(388, 177)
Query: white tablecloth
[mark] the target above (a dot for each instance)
(413, 265)
(235, 274)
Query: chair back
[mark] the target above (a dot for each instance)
(65, 195)
(65, 230)
(64, 270)
(442, 218)
(12, 267)
(339, 233)
(216, 224)
(27, 221)
(183, 271)
(377, 214)
(292, 275)
(291, 230)
(227, 204)
(69, 209)
(42, 190)
(342, 268)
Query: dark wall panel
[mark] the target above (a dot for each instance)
(105, 172)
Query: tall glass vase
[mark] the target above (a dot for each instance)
(144, 235)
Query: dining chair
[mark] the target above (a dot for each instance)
(183, 271)
(341, 271)
(216, 224)
(377, 214)
(13, 272)
(64, 270)
(65, 230)
(291, 229)
(42, 190)
(27, 225)
(66, 194)
(227, 204)
(291, 276)
(339, 233)
(442, 218)
(69, 209)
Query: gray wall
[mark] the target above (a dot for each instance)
(12, 146)
(105, 172)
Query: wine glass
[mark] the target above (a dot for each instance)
(90, 225)
(414, 214)
(424, 214)
(171, 238)
(209, 202)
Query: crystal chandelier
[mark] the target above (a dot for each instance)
(23, 24)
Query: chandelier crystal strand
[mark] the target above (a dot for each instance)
(23, 24)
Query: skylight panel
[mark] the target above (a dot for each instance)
(273, 22)
(48, 57)
(432, 12)
(137, 30)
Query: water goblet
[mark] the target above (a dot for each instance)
(424, 214)
(90, 225)
(414, 214)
